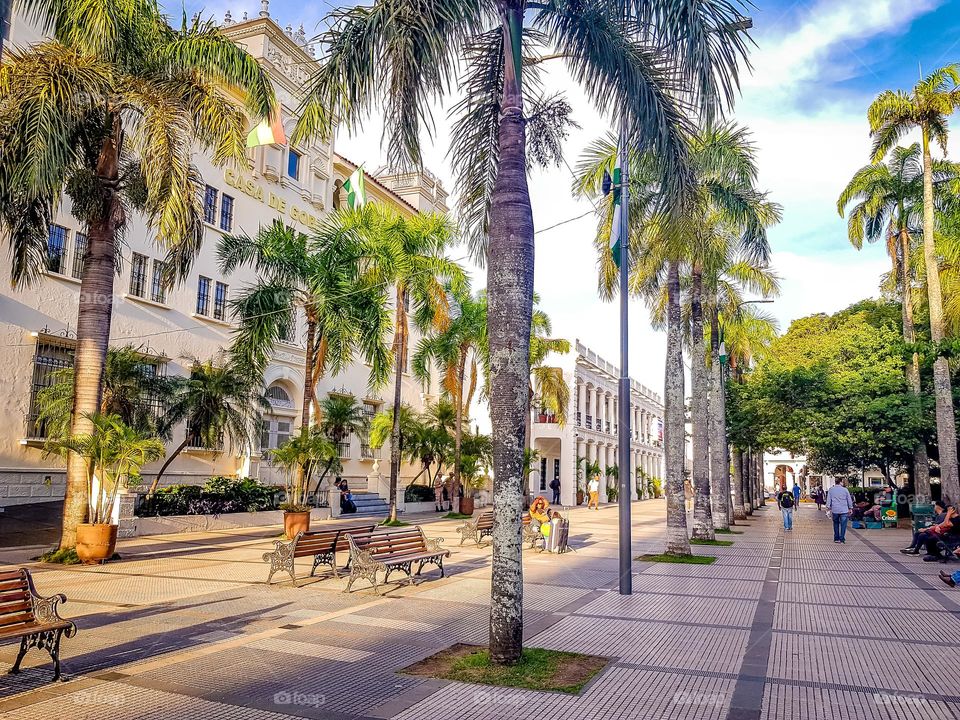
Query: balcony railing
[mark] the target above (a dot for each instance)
(579, 420)
(343, 450)
(589, 422)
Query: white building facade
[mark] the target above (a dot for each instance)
(171, 326)
(592, 430)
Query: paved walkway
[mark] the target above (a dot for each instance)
(782, 626)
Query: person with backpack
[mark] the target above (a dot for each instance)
(786, 503)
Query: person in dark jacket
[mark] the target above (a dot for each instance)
(555, 486)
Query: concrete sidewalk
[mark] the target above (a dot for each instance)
(781, 626)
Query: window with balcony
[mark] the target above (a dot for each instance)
(203, 295)
(369, 411)
(226, 213)
(210, 204)
(57, 249)
(138, 275)
(220, 301)
(278, 397)
(288, 329)
(343, 449)
(79, 254)
(158, 284)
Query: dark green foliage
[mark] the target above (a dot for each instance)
(418, 493)
(219, 495)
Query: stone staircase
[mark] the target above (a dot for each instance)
(370, 504)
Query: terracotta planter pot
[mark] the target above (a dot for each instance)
(96, 543)
(579, 497)
(294, 522)
(466, 505)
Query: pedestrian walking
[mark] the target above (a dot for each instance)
(785, 501)
(593, 487)
(555, 486)
(796, 493)
(818, 497)
(839, 505)
(438, 493)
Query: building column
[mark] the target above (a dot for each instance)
(602, 461)
(582, 402)
(591, 406)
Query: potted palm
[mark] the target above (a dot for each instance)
(298, 458)
(112, 452)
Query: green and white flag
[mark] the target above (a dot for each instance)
(355, 189)
(617, 211)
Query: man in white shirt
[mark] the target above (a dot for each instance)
(840, 504)
(593, 487)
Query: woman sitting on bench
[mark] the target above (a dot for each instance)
(941, 514)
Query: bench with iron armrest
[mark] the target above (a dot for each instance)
(323, 545)
(390, 550)
(477, 529)
(33, 619)
(947, 544)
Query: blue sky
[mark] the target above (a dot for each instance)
(817, 66)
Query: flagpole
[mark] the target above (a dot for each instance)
(623, 421)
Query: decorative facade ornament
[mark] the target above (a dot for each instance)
(264, 8)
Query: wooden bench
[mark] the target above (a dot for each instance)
(477, 529)
(321, 544)
(392, 549)
(33, 619)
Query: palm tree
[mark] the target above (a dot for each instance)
(891, 116)
(628, 55)
(383, 427)
(113, 123)
(132, 390)
(410, 254)
(299, 457)
(887, 201)
(341, 416)
(455, 351)
(548, 388)
(215, 402)
(111, 453)
(322, 274)
(723, 213)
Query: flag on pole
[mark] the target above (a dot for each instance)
(268, 132)
(617, 213)
(355, 189)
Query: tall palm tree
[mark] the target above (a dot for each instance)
(404, 54)
(216, 402)
(409, 254)
(887, 201)
(113, 123)
(323, 275)
(723, 218)
(892, 115)
(455, 351)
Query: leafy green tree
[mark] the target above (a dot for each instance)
(887, 200)
(892, 115)
(299, 458)
(216, 402)
(638, 57)
(109, 112)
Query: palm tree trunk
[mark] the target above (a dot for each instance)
(94, 316)
(673, 427)
(921, 463)
(760, 492)
(308, 394)
(700, 408)
(166, 463)
(946, 421)
(510, 307)
(400, 354)
(719, 465)
(458, 433)
(739, 507)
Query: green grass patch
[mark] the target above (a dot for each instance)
(538, 669)
(394, 523)
(682, 559)
(457, 516)
(727, 531)
(67, 556)
(714, 543)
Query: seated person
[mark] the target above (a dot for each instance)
(347, 505)
(921, 536)
(874, 513)
(946, 532)
(859, 508)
